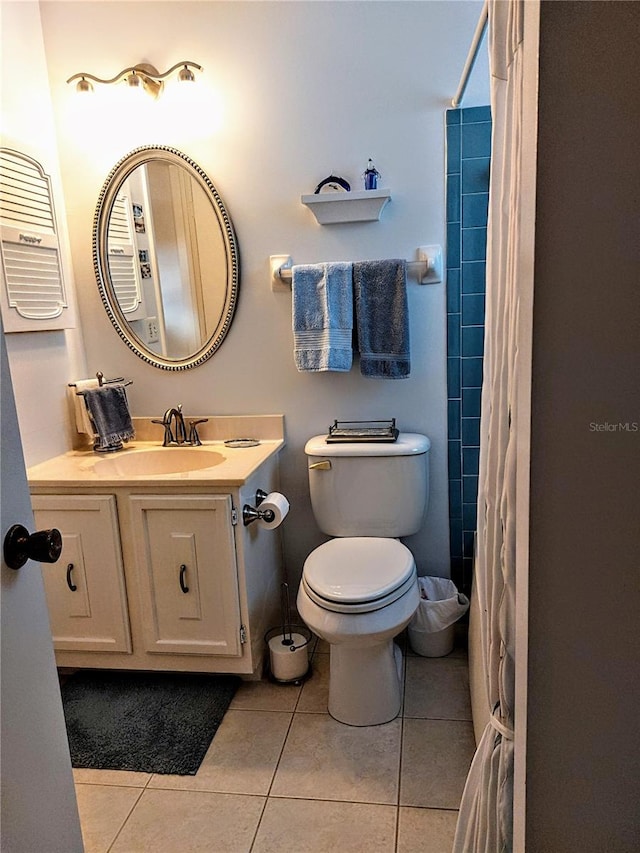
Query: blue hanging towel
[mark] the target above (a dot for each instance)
(109, 411)
(322, 316)
(382, 319)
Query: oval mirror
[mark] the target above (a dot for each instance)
(166, 258)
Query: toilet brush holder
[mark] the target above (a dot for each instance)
(288, 654)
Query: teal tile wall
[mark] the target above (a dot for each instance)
(468, 165)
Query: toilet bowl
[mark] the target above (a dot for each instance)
(358, 593)
(359, 590)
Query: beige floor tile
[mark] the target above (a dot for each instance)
(426, 830)
(190, 822)
(121, 778)
(242, 757)
(325, 759)
(316, 826)
(437, 688)
(103, 810)
(436, 755)
(322, 647)
(266, 696)
(315, 691)
(457, 652)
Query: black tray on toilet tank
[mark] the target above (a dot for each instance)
(343, 431)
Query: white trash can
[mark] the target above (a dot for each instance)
(432, 627)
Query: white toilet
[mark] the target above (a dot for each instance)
(360, 590)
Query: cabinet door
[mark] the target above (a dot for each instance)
(186, 561)
(85, 589)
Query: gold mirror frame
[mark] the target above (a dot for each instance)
(110, 189)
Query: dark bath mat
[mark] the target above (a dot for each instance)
(149, 722)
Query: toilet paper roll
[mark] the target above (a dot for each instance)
(287, 665)
(278, 505)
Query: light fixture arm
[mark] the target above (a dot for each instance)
(151, 77)
(176, 66)
(83, 75)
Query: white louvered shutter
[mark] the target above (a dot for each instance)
(31, 264)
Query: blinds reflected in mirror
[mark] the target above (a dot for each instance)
(123, 266)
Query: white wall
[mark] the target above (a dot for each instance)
(41, 362)
(477, 91)
(290, 93)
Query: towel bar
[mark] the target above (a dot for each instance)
(124, 382)
(102, 381)
(427, 269)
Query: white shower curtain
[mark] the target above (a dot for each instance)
(485, 821)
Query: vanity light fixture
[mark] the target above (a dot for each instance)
(141, 76)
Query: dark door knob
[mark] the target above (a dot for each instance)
(45, 546)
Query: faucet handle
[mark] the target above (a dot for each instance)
(168, 436)
(194, 438)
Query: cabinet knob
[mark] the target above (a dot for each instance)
(45, 546)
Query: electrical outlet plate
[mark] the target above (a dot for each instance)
(153, 332)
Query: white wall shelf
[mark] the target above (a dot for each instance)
(332, 208)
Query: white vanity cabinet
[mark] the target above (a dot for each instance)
(188, 576)
(164, 574)
(85, 589)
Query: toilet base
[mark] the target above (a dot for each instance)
(365, 683)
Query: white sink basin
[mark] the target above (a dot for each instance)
(161, 460)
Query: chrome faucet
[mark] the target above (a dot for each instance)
(173, 417)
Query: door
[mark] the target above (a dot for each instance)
(85, 590)
(38, 810)
(185, 556)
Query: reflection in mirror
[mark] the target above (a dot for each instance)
(166, 258)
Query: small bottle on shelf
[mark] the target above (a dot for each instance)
(371, 176)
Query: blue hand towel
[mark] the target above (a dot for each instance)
(109, 411)
(382, 320)
(322, 316)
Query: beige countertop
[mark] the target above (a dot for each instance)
(230, 466)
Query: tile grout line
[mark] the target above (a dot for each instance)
(257, 829)
(275, 769)
(377, 803)
(125, 821)
(404, 698)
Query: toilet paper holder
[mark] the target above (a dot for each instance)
(251, 514)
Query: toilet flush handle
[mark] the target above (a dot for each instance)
(325, 465)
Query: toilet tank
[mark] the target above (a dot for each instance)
(369, 489)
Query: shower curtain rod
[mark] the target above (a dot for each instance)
(473, 54)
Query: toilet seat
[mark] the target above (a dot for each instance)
(358, 574)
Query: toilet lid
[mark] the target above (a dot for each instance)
(355, 570)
